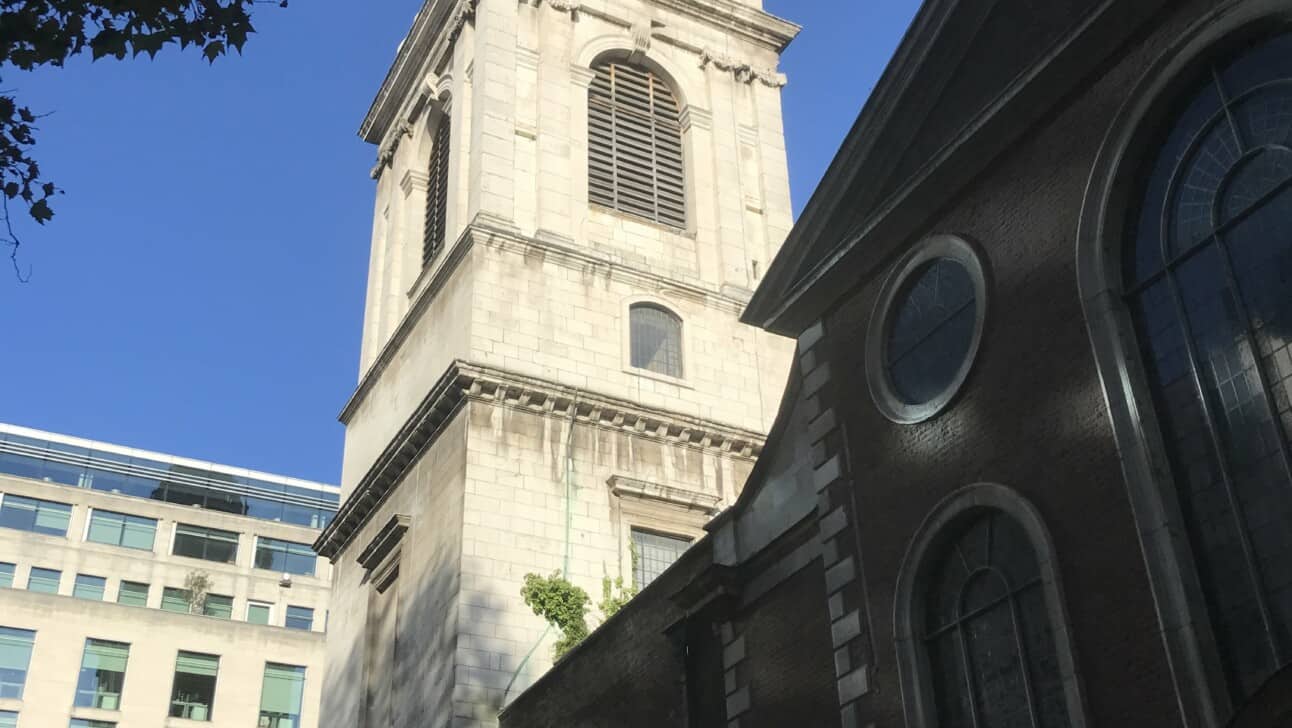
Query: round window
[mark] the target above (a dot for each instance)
(926, 329)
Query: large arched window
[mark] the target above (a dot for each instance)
(1207, 277)
(990, 648)
(437, 192)
(655, 339)
(635, 144)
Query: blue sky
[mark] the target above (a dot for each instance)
(200, 291)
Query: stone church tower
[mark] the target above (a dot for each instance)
(574, 202)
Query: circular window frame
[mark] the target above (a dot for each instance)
(885, 396)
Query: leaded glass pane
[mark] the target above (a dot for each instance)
(656, 340)
(991, 652)
(930, 330)
(1209, 297)
(653, 553)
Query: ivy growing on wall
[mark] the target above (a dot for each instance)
(565, 605)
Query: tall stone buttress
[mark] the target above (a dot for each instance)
(548, 373)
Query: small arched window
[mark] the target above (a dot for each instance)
(635, 145)
(990, 647)
(1207, 277)
(655, 339)
(437, 193)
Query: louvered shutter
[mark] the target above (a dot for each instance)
(635, 145)
(437, 194)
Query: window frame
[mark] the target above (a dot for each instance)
(86, 581)
(269, 612)
(215, 686)
(286, 554)
(97, 694)
(1112, 194)
(126, 519)
(968, 503)
(237, 543)
(26, 670)
(121, 589)
(882, 391)
(71, 510)
(684, 350)
(654, 74)
(287, 617)
(58, 587)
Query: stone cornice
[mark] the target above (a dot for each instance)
(438, 25)
(465, 382)
(435, 28)
(498, 234)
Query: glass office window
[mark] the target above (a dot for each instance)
(217, 605)
(285, 556)
(103, 675)
(299, 618)
(174, 600)
(206, 543)
(133, 594)
(37, 516)
(119, 529)
(193, 695)
(86, 723)
(89, 587)
(15, 655)
(8, 719)
(44, 580)
(257, 613)
(281, 696)
(6, 575)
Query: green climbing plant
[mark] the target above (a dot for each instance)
(563, 604)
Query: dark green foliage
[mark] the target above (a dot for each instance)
(35, 33)
(562, 604)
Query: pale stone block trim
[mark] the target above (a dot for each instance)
(739, 699)
(845, 593)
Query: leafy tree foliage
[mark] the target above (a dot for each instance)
(36, 33)
(562, 604)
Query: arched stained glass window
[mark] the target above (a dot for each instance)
(437, 193)
(655, 339)
(635, 144)
(991, 649)
(1208, 281)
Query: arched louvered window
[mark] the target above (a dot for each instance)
(437, 193)
(635, 145)
(1207, 275)
(655, 339)
(991, 650)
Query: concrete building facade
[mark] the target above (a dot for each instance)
(574, 203)
(100, 624)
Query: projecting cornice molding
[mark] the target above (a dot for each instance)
(439, 23)
(742, 71)
(465, 382)
(626, 487)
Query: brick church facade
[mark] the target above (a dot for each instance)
(1033, 465)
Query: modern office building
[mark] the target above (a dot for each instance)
(140, 589)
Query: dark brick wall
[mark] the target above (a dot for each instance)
(1032, 415)
(627, 674)
(788, 664)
